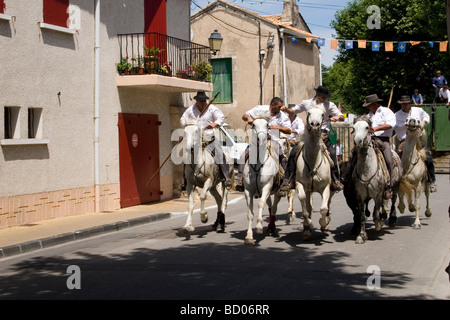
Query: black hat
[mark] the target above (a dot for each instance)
(404, 99)
(371, 99)
(322, 90)
(201, 96)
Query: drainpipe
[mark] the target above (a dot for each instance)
(97, 108)
(320, 67)
(283, 49)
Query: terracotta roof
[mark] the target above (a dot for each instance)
(274, 19)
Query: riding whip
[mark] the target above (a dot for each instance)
(390, 99)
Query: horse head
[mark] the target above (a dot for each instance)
(315, 117)
(361, 132)
(413, 126)
(260, 126)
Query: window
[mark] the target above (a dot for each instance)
(12, 128)
(56, 13)
(2, 6)
(222, 80)
(34, 123)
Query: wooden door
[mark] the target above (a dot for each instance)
(138, 158)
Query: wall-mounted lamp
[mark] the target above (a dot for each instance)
(215, 41)
(262, 54)
(270, 42)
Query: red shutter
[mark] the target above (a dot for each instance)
(2, 6)
(155, 16)
(55, 12)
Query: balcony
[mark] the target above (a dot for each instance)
(156, 61)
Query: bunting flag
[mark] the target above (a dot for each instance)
(402, 47)
(443, 46)
(334, 43)
(361, 44)
(376, 46)
(308, 39)
(294, 40)
(389, 46)
(431, 44)
(348, 44)
(414, 42)
(321, 42)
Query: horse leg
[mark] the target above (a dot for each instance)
(219, 224)
(376, 213)
(362, 237)
(188, 227)
(305, 201)
(265, 198)
(203, 195)
(249, 237)
(393, 212)
(427, 197)
(401, 202)
(271, 228)
(291, 213)
(416, 225)
(324, 221)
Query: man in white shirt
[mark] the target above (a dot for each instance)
(332, 114)
(279, 123)
(383, 122)
(297, 128)
(211, 118)
(417, 113)
(444, 95)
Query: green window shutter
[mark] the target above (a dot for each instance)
(222, 80)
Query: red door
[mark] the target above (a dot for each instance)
(156, 26)
(138, 158)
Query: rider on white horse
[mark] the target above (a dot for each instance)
(280, 122)
(417, 113)
(332, 114)
(211, 118)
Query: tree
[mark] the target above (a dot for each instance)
(360, 72)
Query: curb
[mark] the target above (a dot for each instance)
(33, 245)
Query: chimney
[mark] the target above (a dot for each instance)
(290, 15)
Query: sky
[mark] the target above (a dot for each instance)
(318, 14)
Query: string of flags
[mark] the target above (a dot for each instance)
(374, 45)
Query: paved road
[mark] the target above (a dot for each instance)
(155, 261)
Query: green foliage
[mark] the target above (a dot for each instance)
(123, 65)
(360, 72)
(202, 70)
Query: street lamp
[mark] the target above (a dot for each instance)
(215, 41)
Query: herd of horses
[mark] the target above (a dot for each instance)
(262, 175)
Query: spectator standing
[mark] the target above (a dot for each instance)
(438, 82)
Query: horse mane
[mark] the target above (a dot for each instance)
(363, 118)
(263, 115)
(320, 106)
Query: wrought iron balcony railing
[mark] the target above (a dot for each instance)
(161, 54)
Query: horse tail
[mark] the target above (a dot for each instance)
(406, 187)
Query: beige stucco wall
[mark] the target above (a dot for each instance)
(36, 65)
(242, 42)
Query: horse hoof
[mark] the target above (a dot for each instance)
(417, 226)
(204, 218)
(187, 230)
(378, 225)
(259, 230)
(249, 241)
(392, 224)
(428, 213)
(307, 236)
(325, 229)
(271, 232)
(411, 208)
(360, 240)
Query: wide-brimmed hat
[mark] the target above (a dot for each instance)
(404, 99)
(322, 90)
(371, 99)
(201, 95)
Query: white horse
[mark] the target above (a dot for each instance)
(261, 176)
(313, 171)
(370, 180)
(414, 172)
(202, 171)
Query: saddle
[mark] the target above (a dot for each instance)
(324, 151)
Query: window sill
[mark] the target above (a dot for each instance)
(23, 142)
(5, 17)
(56, 28)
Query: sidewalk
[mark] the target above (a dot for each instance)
(43, 234)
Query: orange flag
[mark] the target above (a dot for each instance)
(308, 39)
(443, 46)
(334, 43)
(414, 42)
(361, 44)
(389, 46)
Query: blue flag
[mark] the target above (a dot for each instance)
(376, 46)
(402, 47)
(321, 42)
(294, 40)
(348, 44)
(431, 44)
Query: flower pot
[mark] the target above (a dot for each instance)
(139, 70)
(151, 64)
(181, 74)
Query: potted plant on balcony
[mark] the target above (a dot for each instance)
(202, 71)
(137, 65)
(151, 59)
(123, 67)
(187, 72)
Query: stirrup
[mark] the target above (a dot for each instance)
(284, 188)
